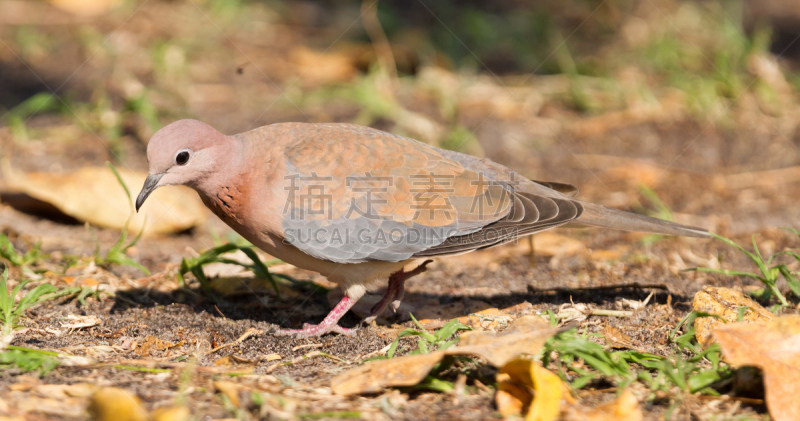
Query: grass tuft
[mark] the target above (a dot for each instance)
(579, 362)
(11, 312)
(769, 272)
(429, 342)
(194, 265)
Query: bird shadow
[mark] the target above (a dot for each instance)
(311, 305)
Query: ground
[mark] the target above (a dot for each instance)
(720, 150)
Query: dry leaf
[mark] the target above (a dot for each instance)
(233, 360)
(60, 391)
(62, 408)
(113, 404)
(773, 346)
(151, 343)
(725, 303)
(171, 413)
(624, 408)
(77, 322)
(525, 336)
(550, 392)
(615, 338)
(230, 390)
(85, 7)
(93, 195)
(525, 387)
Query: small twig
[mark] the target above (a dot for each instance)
(612, 313)
(381, 351)
(532, 255)
(250, 332)
(220, 312)
(573, 312)
(307, 346)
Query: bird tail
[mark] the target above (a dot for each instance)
(600, 216)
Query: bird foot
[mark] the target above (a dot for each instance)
(395, 291)
(329, 325)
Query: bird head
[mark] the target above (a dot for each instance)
(184, 152)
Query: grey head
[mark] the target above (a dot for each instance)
(185, 152)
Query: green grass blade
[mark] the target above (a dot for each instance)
(121, 183)
(33, 297)
(261, 269)
(791, 280)
(728, 272)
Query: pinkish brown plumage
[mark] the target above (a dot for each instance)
(358, 205)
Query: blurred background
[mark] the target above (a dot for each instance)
(685, 110)
(685, 107)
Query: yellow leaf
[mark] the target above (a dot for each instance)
(113, 404)
(171, 413)
(548, 392)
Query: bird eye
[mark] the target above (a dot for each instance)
(182, 157)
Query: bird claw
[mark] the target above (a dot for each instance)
(396, 305)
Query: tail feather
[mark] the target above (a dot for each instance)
(601, 216)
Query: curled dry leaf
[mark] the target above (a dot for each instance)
(526, 335)
(93, 195)
(525, 387)
(773, 346)
(724, 303)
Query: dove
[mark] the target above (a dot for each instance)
(359, 205)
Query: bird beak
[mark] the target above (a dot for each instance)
(150, 184)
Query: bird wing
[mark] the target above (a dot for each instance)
(540, 206)
(356, 194)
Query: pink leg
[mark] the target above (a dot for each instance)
(329, 324)
(395, 291)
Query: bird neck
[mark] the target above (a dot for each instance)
(229, 157)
